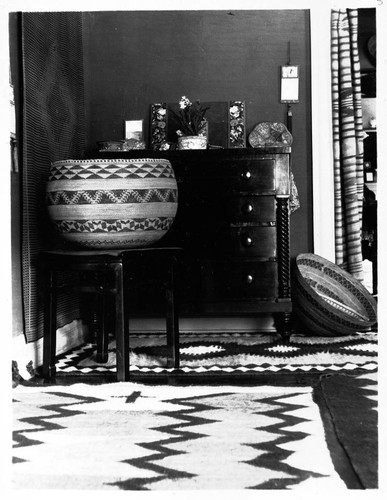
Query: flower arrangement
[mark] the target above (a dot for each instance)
(191, 117)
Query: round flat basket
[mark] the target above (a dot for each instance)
(328, 300)
(270, 134)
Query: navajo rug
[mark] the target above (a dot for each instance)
(131, 436)
(233, 353)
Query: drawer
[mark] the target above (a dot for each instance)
(255, 209)
(250, 175)
(231, 209)
(241, 241)
(238, 280)
(233, 175)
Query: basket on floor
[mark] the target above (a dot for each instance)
(328, 300)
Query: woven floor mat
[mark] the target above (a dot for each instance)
(234, 353)
(131, 436)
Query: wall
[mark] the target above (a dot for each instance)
(367, 28)
(135, 58)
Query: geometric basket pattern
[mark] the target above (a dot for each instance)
(115, 169)
(103, 226)
(111, 196)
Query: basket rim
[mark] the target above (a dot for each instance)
(326, 305)
(334, 267)
(111, 160)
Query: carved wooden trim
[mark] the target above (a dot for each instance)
(283, 247)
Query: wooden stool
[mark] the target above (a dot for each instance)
(115, 278)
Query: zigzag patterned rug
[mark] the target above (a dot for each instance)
(234, 353)
(128, 436)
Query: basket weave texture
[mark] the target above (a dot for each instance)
(328, 300)
(112, 203)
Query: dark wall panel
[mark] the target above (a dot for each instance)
(135, 58)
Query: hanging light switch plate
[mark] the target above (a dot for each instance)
(289, 83)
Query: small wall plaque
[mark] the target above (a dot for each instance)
(289, 83)
(237, 126)
(158, 122)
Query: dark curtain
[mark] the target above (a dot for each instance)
(347, 140)
(53, 129)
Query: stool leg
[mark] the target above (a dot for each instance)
(122, 325)
(172, 318)
(49, 331)
(102, 333)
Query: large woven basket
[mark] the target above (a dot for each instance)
(328, 300)
(108, 204)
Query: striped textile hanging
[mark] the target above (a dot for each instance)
(53, 129)
(347, 140)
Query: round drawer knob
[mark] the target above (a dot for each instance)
(249, 279)
(246, 175)
(247, 208)
(247, 240)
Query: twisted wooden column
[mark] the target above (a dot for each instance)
(283, 244)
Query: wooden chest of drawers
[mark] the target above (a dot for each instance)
(233, 222)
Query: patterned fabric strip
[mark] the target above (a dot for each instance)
(53, 128)
(347, 140)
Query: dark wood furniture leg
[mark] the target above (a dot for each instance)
(49, 332)
(286, 326)
(102, 330)
(283, 244)
(101, 337)
(121, 322)
(172, 321)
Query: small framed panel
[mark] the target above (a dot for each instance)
(158, 121)
(290, 83)
(236, 124)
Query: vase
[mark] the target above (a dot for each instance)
(112, 204)
(192, 142)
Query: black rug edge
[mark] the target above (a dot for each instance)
(339, 457)
(346, 463)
